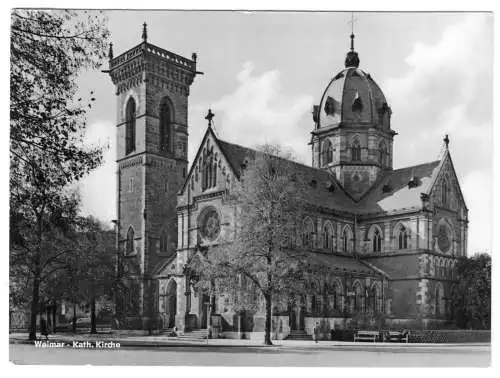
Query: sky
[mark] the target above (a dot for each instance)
(263, 72)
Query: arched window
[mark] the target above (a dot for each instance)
(308, 233)
(347, 240)
(130, 126)
(163, 242)
(438, 300)
(129, 247)
(326, 152)
(358, 297)
(214, 175)
(208, 171)
(376, 300)
(444, 192)
(165, 126)
(327, 236)
(337, 296)
(376, 241)
(313, 304)
(403, 237)
(382, 150)
(356, 150)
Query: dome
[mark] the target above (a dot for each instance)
(353, 98)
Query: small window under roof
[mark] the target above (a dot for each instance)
(387, 188)
(329, 185)
(414, 182)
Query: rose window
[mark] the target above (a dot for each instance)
(209, 224)
(444, 241)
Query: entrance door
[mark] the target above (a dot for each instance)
(205, 300)
(301, 317)
(292, 318)
(171, 303)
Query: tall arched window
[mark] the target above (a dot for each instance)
(346, 240)
(165, 141)
(328, 236)
(376, 241)
(438, 300)
(403, 238)
(214, 175)
(326, 152)
(382, 150)
(163, 242)
(337, 296)
(376, 300)
(356, 150)
(308, 233)
(444, 192)
(208, 171)
(129, 247)
(130, 126)
(358, 297)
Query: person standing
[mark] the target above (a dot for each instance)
(44, 330)
(316, 332)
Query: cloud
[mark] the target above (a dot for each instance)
(447, 89)
(259, 112)
(477, 192)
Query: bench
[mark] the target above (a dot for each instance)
(397, 337)
(366, 336)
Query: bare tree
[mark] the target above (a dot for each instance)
(259, 260)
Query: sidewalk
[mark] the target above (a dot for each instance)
(165, 341)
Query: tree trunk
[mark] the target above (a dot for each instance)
(54, 310)
(267, 336)
(36, 277)
(34, 307)
(93, 328)
(74, 317)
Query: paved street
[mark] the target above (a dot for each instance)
(257, 356)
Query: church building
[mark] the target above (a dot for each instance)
(389, 238)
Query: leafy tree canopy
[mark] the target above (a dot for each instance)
(471, 297)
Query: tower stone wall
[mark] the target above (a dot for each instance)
(150, 175)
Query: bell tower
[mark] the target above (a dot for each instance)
(152, 90)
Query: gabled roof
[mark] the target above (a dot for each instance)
(446, 156)
(392, 191)
(236, 155)
(188, 176)
(322, 189)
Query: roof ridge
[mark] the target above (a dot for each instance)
(281, 157)
(416, 165)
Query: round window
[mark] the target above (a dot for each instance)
(444, 241)
(209, 223)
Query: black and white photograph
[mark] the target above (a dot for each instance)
(274, 188)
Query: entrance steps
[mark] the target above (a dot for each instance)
(298, 335)
(167, 331)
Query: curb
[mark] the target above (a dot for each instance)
(346, 346)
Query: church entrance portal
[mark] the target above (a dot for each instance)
(296, 315)
(205, 303)
(171, 303)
